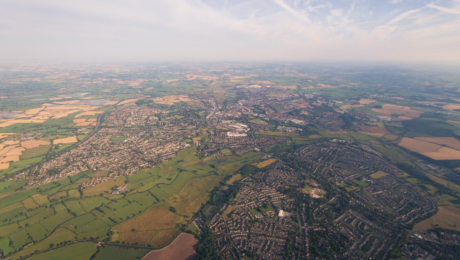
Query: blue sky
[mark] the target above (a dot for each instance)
(216, 30)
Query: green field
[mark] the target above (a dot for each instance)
(35, 152)
(360, 183)
(116, 253)
(118, 139)
(192, 228)
(79, 251)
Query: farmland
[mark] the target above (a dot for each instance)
(431, 149)
(446, 218)
(183, 247)
(258, 162)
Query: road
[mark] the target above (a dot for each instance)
(214, 104)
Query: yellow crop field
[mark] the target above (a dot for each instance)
(19, 121)
(265, 163)
(33, 143)
(8, 159)
(419, 146)
(444, 154)
(447, 141)
(67, 140)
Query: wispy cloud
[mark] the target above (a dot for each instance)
(230, 30)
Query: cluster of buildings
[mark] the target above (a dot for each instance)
(125, 145)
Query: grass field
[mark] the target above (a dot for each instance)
(258, 121)
(35, 152)
(360, 183)
(226, 152)
(118, 139)
(104, 187)
(170, 193)
(379, 174)
(117, 253)
(79, 251)
(162, 237)
(192, 228)
(446, 218)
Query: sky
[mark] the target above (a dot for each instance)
(236, 30)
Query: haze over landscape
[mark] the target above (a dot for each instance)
(217, 30)
(230, 130)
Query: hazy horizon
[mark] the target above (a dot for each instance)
(276, 30)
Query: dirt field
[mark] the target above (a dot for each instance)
(4, 166)
(451, 106)
(345, 107)
(67, 140)
(111, 103)
(378, 135)
(365, 101)
(33, 143)
(170, 100)
(419, 146)
(265, 163)
(447, 218)
(374, 129)
(444, 154)
(389, 109)
(447, 141)
(182, 248)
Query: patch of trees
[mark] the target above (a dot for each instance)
(207, 249)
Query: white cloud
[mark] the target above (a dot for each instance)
(229, 30)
